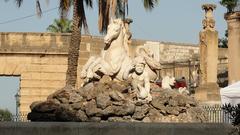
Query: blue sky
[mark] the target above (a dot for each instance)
(171, 21)
(9, 86)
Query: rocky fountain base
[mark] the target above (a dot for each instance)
(111, 102)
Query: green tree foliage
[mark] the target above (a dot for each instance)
(60, 26)
(234, 112)
(229, 4)
(5, 115)
(223, 42)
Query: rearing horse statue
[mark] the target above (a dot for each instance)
(115, 60)
(114, 57)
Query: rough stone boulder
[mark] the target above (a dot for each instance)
(110, 101)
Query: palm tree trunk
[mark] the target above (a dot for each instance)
(73, 52)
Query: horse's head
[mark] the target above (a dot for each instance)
(113, 31)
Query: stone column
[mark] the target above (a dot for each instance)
(208, 90)
(233, 21)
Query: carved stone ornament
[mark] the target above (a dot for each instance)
(208, 22)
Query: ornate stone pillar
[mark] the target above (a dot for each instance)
(208, 90)
(233, 21)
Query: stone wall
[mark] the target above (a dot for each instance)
(113, 128)
(40, 59)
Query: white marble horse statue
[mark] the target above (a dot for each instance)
(115, 60)
(114, 57)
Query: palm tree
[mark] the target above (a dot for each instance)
(60, 26)
(79, 20)
(118, 9)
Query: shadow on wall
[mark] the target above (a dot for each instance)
(222, 79)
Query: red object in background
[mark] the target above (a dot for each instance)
(177, 84)
(181, 83)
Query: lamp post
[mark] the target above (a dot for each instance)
(17, 96)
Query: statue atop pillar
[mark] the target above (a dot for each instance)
(208, 22)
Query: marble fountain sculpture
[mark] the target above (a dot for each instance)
(116, 62)
(117, 88)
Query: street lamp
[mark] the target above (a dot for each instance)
(17, 97)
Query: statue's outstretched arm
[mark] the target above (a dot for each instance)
(127, 72)
(153, 64)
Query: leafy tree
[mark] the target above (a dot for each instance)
(234, 113)
(60, 26)
(223, 42)
(229, 4)
(5, 115)
(107, 9)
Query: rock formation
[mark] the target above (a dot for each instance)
(109, 101)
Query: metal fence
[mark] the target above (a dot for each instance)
(15, 118)
(216, 114)
(20, 118)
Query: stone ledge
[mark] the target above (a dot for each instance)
(73, 128)
(233, 15)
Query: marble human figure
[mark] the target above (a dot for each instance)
(140, 80)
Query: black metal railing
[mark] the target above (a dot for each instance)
(20, 118)
(14, 118)
(216, 114)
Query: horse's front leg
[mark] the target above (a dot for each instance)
(105, 68)
(92, 68)
(86, 67)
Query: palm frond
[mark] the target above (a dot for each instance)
(103, 15)
(114, 6)
(38, 8)
(64, 7)
(52, 28)
(150, 4)
(120, 12)
(60, 26)
(89, 3)
(19, 2)
(81, 13)
(126, 3)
